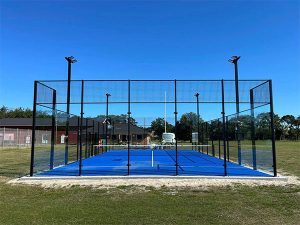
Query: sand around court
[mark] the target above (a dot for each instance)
(195, 183)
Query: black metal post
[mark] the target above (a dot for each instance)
(103, 133)
(224, 129)
(113, 133)
(206, 142)
(77, 142)
(272, 129)
(99, 137)
(198, 121)
(176, 135)
(227, 140)
(81, 121)
(33, 128)
(253, 130)
(219, 137)
(93, 138)
(53, 134)
(86, 137)
(89, 141)
(202, 137)
(70, 60)
(213, 147)
(128, 131)
(234, 60)
(106, 120)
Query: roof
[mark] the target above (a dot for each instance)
(119, 128)
(16, 122)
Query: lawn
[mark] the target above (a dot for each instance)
(288, 157)
(131, 205)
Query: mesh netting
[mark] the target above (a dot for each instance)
(118, 115)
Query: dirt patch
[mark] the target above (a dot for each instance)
(195, 183)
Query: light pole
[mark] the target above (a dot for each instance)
(70, 60)
(198, 120)
(234, 60)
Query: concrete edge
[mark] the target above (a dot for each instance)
(279, 178)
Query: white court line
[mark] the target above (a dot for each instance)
(152, 158)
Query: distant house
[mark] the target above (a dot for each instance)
(92, 131)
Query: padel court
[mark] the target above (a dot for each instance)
(153, 128)
(153, 162)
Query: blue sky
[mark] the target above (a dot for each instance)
(150, 40)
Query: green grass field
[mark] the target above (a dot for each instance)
(129, 205)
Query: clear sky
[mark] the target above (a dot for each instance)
(150, 40)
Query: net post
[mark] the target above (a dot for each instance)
(128, 131)
(53, 139)
(81, 122)
(176, 135)
(253, 130)
(272, 129)
(98, 131)
(33, 128)
(224, 128)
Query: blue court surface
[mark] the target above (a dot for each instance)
(153, 162)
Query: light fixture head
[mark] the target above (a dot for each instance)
(234, 59)
(71, 59)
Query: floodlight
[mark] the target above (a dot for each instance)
(71, 59)
(234, 59)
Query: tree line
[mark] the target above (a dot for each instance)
(286, 127)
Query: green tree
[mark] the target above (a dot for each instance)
(15, 113)
(288, 123)
(263, 126)
(187, 124)
(3, 112)
(297, 127)
(158, 126)
(278, 127)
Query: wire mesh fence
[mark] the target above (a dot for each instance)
(116, 128)
(19, 138)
